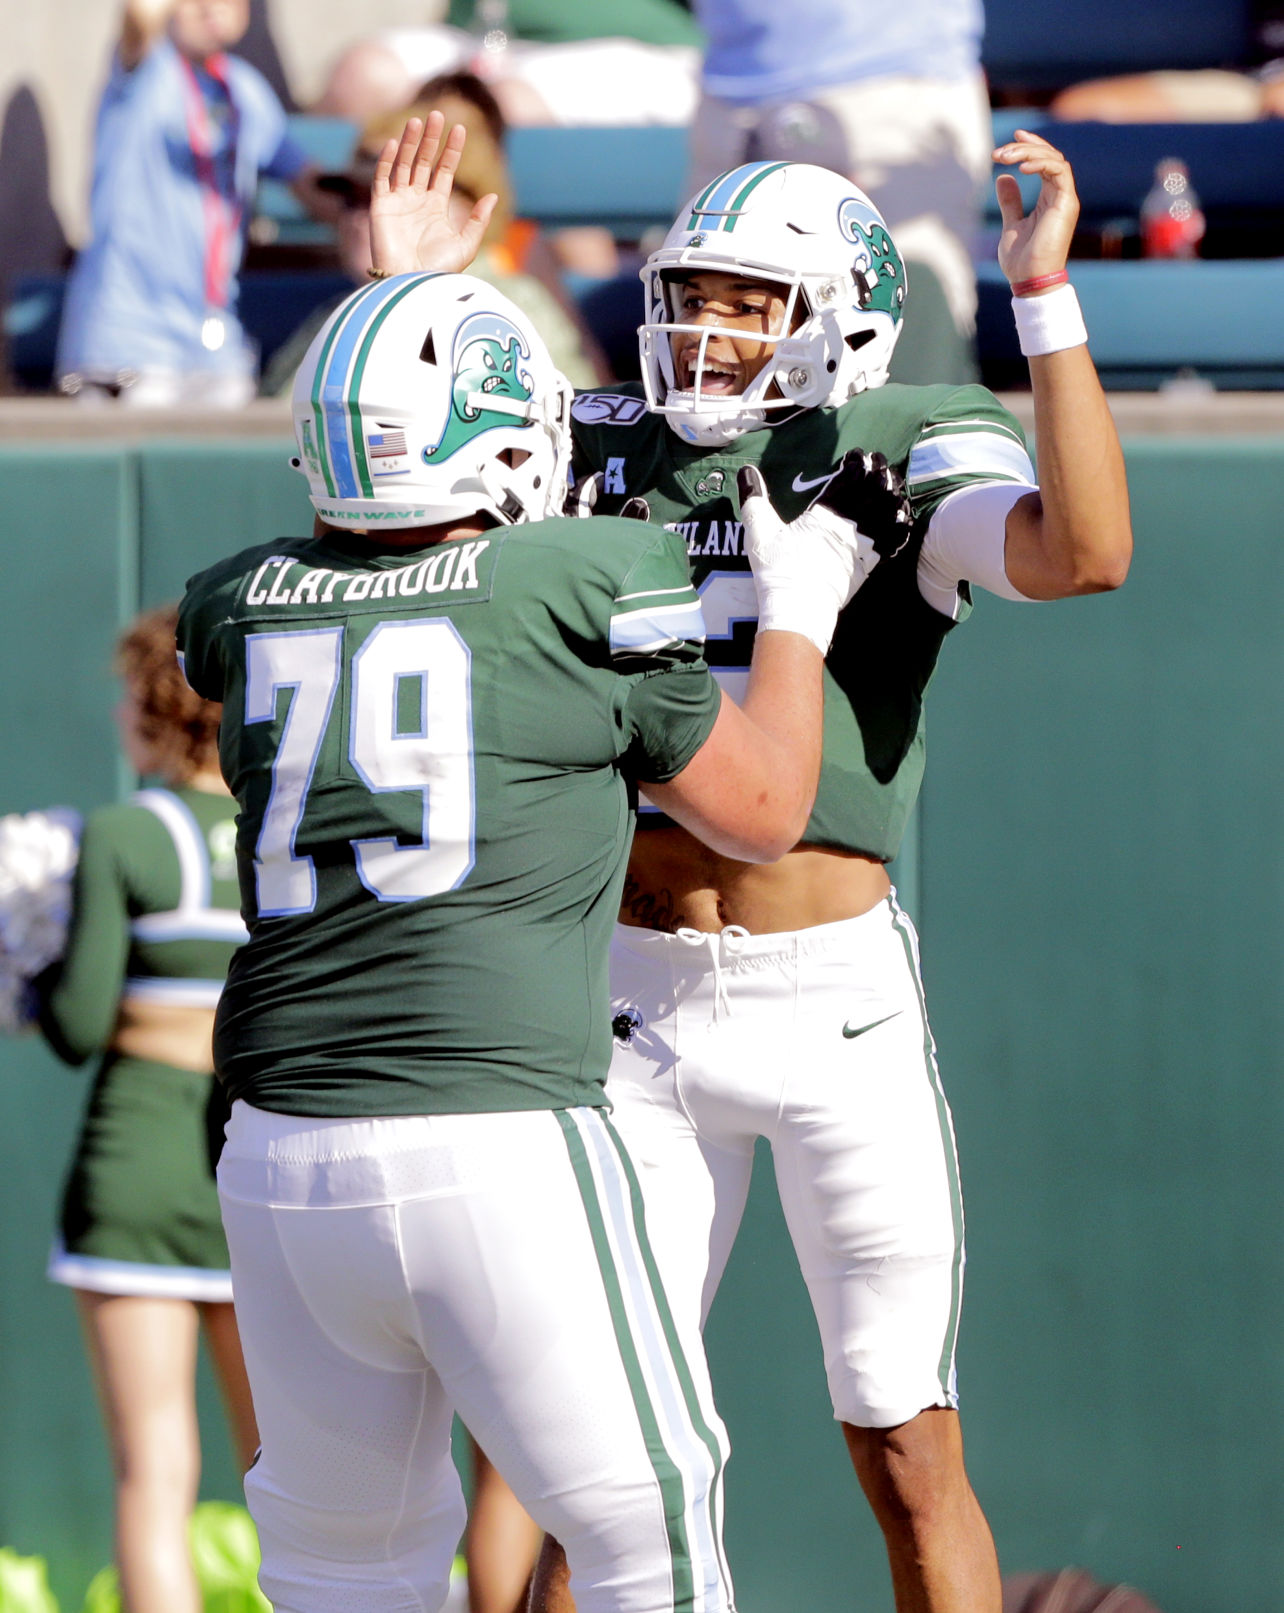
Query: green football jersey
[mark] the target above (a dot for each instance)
(940, 438)
(431, 751)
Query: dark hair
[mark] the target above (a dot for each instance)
(182, 728)
(468, 87)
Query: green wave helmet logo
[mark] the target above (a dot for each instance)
(488, 361)
(877, 265)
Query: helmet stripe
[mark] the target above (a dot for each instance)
(332, 377)
(354, 386)
(711, 208)
(743, 195)
(322, 445)
(318, 408)
(322, 362)
(707, 214)
(698, 206)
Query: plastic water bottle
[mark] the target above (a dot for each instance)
(1172, 223)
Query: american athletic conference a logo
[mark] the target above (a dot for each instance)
(488, 362)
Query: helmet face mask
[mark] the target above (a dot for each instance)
(802, 230)
(428, 399)
(693, 379)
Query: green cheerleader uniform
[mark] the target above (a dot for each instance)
(155, 918)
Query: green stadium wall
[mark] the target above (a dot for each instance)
(1096, 872)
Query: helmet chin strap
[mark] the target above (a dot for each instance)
(710, 427)
(507, 506)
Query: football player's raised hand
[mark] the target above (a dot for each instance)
(411, 223)
(1040, 243)
(805, 570)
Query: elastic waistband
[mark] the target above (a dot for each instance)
(298, 1139)
(735, 946)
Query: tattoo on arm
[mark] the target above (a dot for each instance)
(653, 910)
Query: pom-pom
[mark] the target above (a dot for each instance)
(38, 853)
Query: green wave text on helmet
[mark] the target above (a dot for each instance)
(487, 363)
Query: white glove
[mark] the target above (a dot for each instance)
(806, 570)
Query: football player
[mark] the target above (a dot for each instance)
(786, 1002)
(431, 715)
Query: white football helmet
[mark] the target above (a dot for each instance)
(428, 398)
(804, 229)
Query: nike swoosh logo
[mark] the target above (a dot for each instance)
(801, 485)
(860, 1030)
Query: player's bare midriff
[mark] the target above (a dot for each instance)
(165, 1032)
(674, 882)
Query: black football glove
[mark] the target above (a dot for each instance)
(866, 491)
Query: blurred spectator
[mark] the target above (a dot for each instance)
(893, 98)
(654, 22)
(1208, 95)
(514, 257)
(184, 131)
(573, 79)
(1205, 95)
(573, 63)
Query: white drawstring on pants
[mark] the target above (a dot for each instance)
(730, 938)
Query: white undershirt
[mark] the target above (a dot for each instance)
(965, 543)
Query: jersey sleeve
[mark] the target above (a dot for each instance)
(656, 620)
(607, 426)
(197, 643)
(79, 998)
(668, 700)
(969, 440)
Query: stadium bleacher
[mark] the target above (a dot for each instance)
(1218, 317)
(1046, 46)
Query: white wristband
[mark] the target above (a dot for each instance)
(1049, 323)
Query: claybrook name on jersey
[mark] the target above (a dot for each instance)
(452, 569)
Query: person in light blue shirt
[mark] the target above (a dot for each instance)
(184, 131)
(892, 97)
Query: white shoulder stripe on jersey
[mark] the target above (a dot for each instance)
(193, 919)
(653, 593)
(634, 630)
(189, 843)
(944, 427)
(178, 993)
(969, 453)
(202, 924)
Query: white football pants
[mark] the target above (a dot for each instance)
(391, 1271)
(818, 1041)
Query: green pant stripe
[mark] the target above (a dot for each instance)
(690, 1396)
(666, 1472)
(951, 1158)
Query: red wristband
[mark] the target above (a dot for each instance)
(1041, 282)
